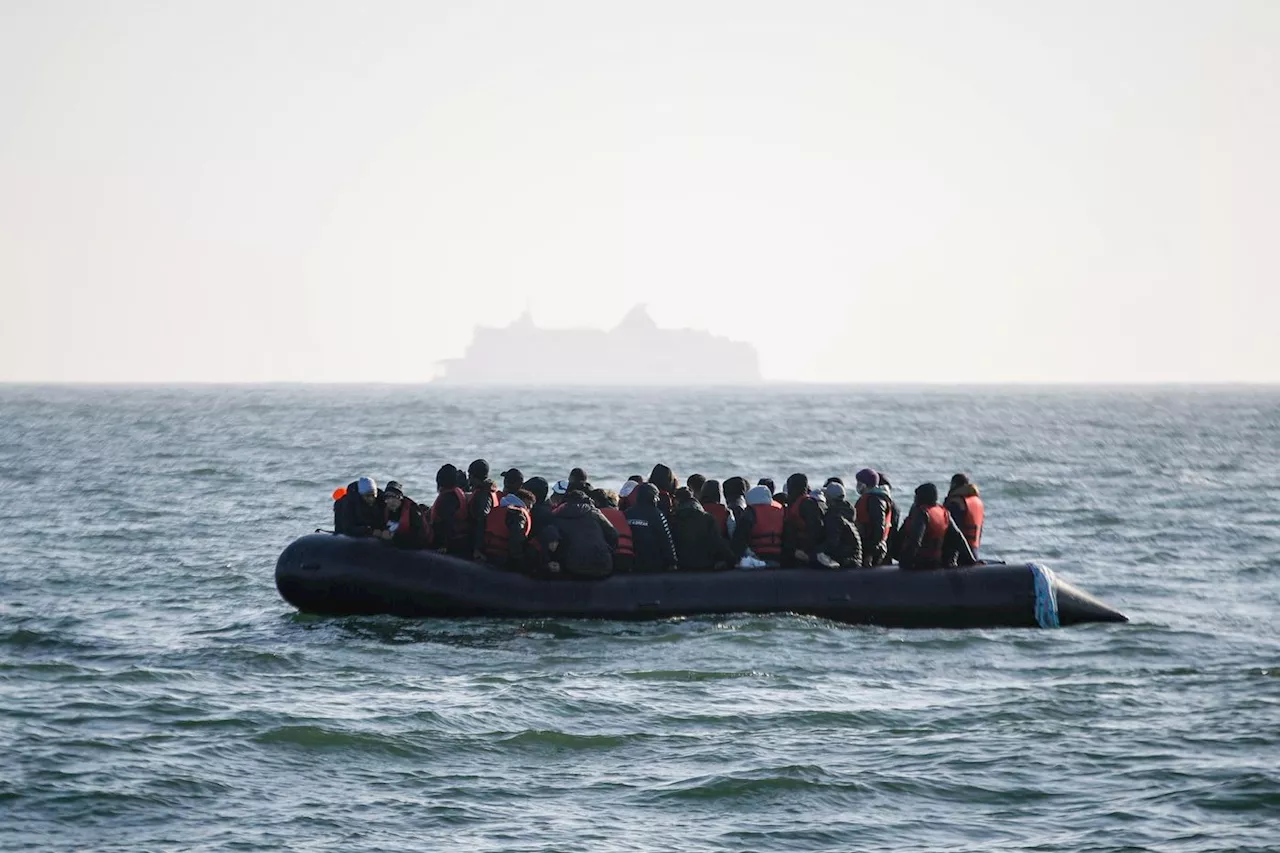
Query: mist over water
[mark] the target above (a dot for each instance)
(156, 694)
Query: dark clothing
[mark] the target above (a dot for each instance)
(517, 536)
(955, 550)
(479, 503)
(352, 516)
(804, 536)
(542, 515)
(840, 539)
(651, 532)
(741, 539)
(871, 529)
(664, 481)
(446, 531)
(587, 540)
(699, 545)
(411, 530)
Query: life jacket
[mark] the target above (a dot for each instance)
(795, 519)
(493, 497)
(720, 513)
(766, 532)
(936, 522)
(970, 523)
(497, 536)
(626, 542)
(862, 512)
(461, 519)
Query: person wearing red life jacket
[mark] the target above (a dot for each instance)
(402, 519)
(624, 557)
(483, 498)
(512, 482)
(966, 508)
(802, 529)
(506, 531)
(873, 516)
(930, 538)
(709, 497)
(759, 528)
(450, 524)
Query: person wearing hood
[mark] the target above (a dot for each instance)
(506, 530)
(402, 523)
(841, 544)
(874, 515)
(965, 506)
(359, 511)
(624, 493)
(666, 484)
(542, 530)
(699, 545)
(735, 498)
(512, 482)
(650, 531)
(578, 480)
(586, 539)
(694, 484)
(482, 500)
(709, 497)
(450, 523)
(930, 537)
(624, 557)
(759, 527)
(802, 527)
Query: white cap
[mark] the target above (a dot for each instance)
(759, 496)
(561, 487)
(627, 488)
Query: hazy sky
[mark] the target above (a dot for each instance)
(947, 191)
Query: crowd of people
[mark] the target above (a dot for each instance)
(571, 529)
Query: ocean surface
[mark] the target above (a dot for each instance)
(157, 694)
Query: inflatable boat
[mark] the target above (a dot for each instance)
(335, 575)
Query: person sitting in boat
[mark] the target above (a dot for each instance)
(402, 523)
(666, 483)
(539, 511)
(559, 492)
(710, 499)
(506, 531)
(699, 545)
(930, 538)
(624, 493)
(512, 482)
(841, 544)
(774, 494)
(586, 540)
(759, 528)
(873, 514)
(802, 526)
(482, 499)
(359, 511)
(650, 531)
(694, 484)
(735, 498)
(966, 508)
(578, 480)
(450, 525)
(624, 558)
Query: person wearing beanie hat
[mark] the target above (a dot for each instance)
(450, 530)
(402, 523)
(802, 529)
(481, 501)
(735, 498)
(627, 492)
(930, 538)
(965, 506)
(359, 511)
(841, 545)
(876, 518)
(759, 528)
(650, 531)
(578, 480)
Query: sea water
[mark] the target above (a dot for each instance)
(157, 694)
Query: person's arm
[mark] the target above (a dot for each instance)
(912, 538)
(517, 532)
(610, 532)
(448, 503)
(813, 519)
(742, 534)
(831, 527)
(956, 550)
(481, 505)
(722, 554)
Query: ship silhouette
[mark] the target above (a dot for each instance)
(635, 352)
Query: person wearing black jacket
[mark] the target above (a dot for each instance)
(402, 519)
(919, 545)
(802, 531)
(735, 498)
(699, 545)
(359, 511)
(483, 497)
(650, 531)
(841, 544)
(448, 534)
(666, 484)
(586, 538)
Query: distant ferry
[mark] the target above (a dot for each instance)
(635, 352)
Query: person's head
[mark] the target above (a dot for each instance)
(393, 495)
(710, 493)
(833, 491)
(559, 492)
(958, 480)
(636, 478)
(446, 477)
(538, 487)
(576, 496)
(477, 472)
(460, 479)
(797, 486)
(682, 495)
(882, 481)
(578, 476)
(512, 480)
(645, 494)
(368, 490)
(831, 480)
(926, 494)
(735, 488)
(767, 482)
(782, 498)
(604, 498)
(662, 478)
(627, 488)
(759, 496)
(695, 482)
(526, 497)
(865, 479)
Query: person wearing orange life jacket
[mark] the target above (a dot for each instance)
(624, 558)
(482, 500)
(759, 528)
(802, 529)
(873, 516)
(402, 519)
(710, 500)
(930, 538)
(506, 531)
(966, 508)
(450, 524)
